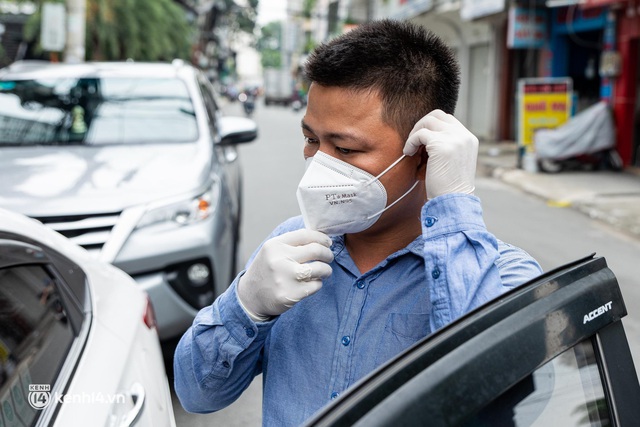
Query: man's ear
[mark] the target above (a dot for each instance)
(422, 155)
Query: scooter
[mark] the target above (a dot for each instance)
(585, 142)
(248, 103)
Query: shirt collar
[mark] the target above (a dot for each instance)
(342, 257)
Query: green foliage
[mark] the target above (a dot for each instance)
(241, 18)
(307, 8)
(269, 45)
(271, 59)
(142, 30)
(309, 45)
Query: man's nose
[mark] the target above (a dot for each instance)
(310, 150)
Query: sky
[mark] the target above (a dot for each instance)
(271, 10)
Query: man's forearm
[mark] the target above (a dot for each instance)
(218, 357)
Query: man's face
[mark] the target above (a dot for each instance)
(348, 125)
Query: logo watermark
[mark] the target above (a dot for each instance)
(40, 397)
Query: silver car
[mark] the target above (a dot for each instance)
(135, 163)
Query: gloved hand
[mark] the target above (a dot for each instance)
(286, 269)
(452, 151)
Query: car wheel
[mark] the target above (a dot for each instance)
(549, 166)
(614, 162)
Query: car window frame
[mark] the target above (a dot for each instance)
(420, 380)
(212, 110)
(79, 312)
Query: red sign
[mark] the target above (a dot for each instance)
(597, 3)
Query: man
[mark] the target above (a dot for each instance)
(390, 247)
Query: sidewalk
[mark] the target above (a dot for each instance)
(611, 197)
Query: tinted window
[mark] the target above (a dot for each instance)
(95, 111)
(565, 392)
(35, 337)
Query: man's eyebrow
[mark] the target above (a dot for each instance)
(335, 135)
(305, 126)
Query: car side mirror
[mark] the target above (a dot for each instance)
(236, 130)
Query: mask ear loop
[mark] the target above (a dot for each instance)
(378, 177)
(375, 178)
(397, 200)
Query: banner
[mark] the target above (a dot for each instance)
(406, 9)
(543, 103)
(473, 9)
(526, 28)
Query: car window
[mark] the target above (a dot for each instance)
(96, 111)
(567, 391)
(210, 104)
(35, 336)
(526, 359)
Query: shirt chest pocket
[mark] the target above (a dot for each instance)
(400, 332)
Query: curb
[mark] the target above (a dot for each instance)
(609, 197)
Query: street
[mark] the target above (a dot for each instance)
(554, 236)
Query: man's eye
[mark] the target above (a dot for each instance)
(343, 150)
(309, 140)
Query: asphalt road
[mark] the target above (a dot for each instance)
(274, 164)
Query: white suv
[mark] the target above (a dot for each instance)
(133, 162)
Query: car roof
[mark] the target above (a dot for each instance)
(28, 70)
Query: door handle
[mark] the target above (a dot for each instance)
(137, 394)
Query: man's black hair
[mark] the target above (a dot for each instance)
(411, 68)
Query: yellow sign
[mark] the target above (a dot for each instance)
(544, 103)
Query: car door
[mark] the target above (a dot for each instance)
(552, 352)
(44, 323)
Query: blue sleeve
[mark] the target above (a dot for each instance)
(220, 354)
(463, 264)
(516, 266)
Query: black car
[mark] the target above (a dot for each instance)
(550, 353)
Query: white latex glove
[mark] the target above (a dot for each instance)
(286, 269)
(452, 151)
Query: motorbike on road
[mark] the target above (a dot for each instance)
(248, 101)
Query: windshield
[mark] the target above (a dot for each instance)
(95, 111)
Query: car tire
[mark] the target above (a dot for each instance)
(549, 166)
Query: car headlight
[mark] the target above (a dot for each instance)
(183, 212)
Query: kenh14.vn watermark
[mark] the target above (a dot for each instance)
(40, 397)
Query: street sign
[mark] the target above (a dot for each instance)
(53, 29)
(526, 28)
(543, 103)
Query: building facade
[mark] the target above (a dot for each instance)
(499, 42)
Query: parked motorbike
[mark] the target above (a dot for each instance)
(585, 142)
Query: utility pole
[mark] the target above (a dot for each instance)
(76, 21)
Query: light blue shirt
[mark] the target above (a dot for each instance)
(328, 341)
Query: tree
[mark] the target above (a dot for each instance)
(242, 15)
(269, 45)
(142, 30)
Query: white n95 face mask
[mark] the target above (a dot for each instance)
(338, 198)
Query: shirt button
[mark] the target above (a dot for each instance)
(430, 220)
(345, 340)
(334, 395)
(360, 284)
(226, 364)
(250, 332)
(435, 273)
